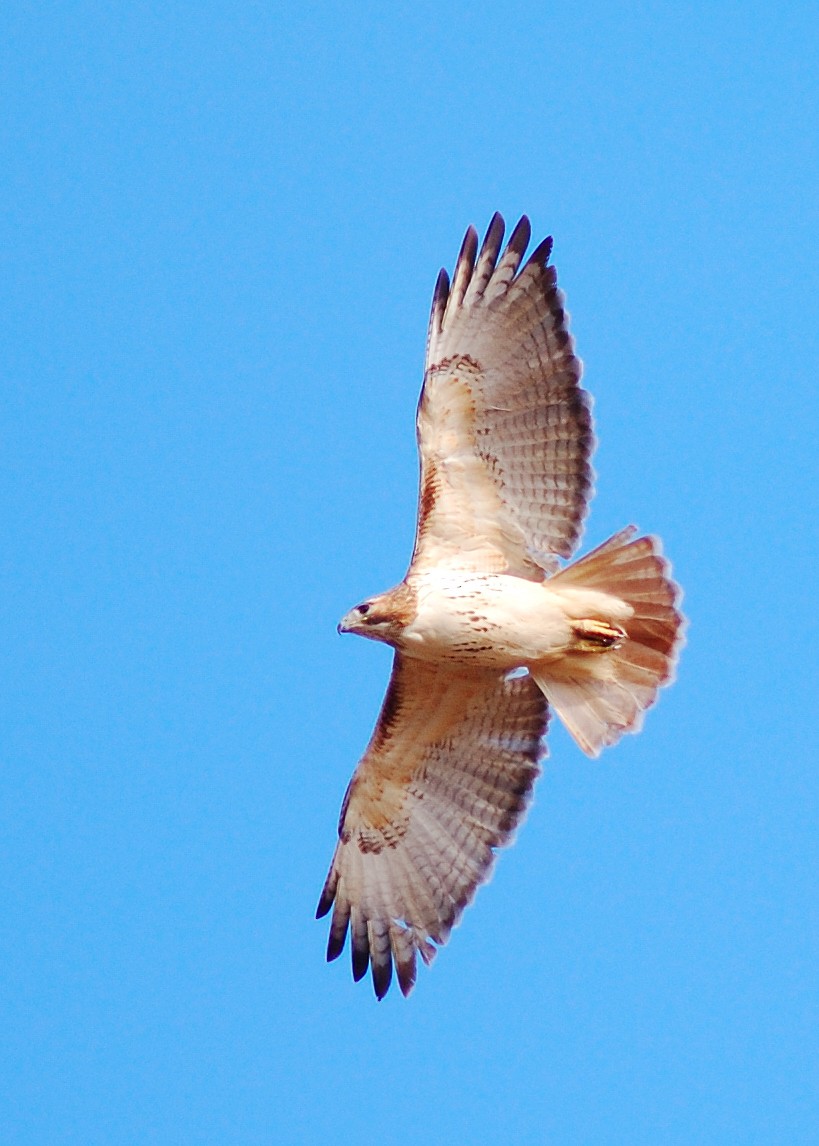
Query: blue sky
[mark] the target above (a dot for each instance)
(221, 227)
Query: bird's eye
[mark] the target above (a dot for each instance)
(363, 609)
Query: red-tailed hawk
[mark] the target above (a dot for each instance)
(504, 437)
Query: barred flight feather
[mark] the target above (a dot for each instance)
(470, 785)
(502, 387)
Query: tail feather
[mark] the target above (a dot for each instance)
(602, 694)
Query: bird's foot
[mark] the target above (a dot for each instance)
(597, 636)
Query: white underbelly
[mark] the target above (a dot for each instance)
(498, 621)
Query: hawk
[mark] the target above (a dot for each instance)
(489, 629)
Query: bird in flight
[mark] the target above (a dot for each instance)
(489, 629)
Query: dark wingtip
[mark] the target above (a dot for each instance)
(406, 975)
(494, 233)
(360, 947)
(469, 246)
(335, 944)
(497, 221)
(540, 255)
(361, 961)
(328, 892)
(382, 977)
(441, 288)
(519, 239)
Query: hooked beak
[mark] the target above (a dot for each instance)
(345, 624)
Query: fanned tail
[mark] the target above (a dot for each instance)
(601, 694)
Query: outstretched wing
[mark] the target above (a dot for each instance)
(445, 780)
(504, 428)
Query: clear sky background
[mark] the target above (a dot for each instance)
(221, 226)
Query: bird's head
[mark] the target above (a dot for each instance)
(381, 618)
